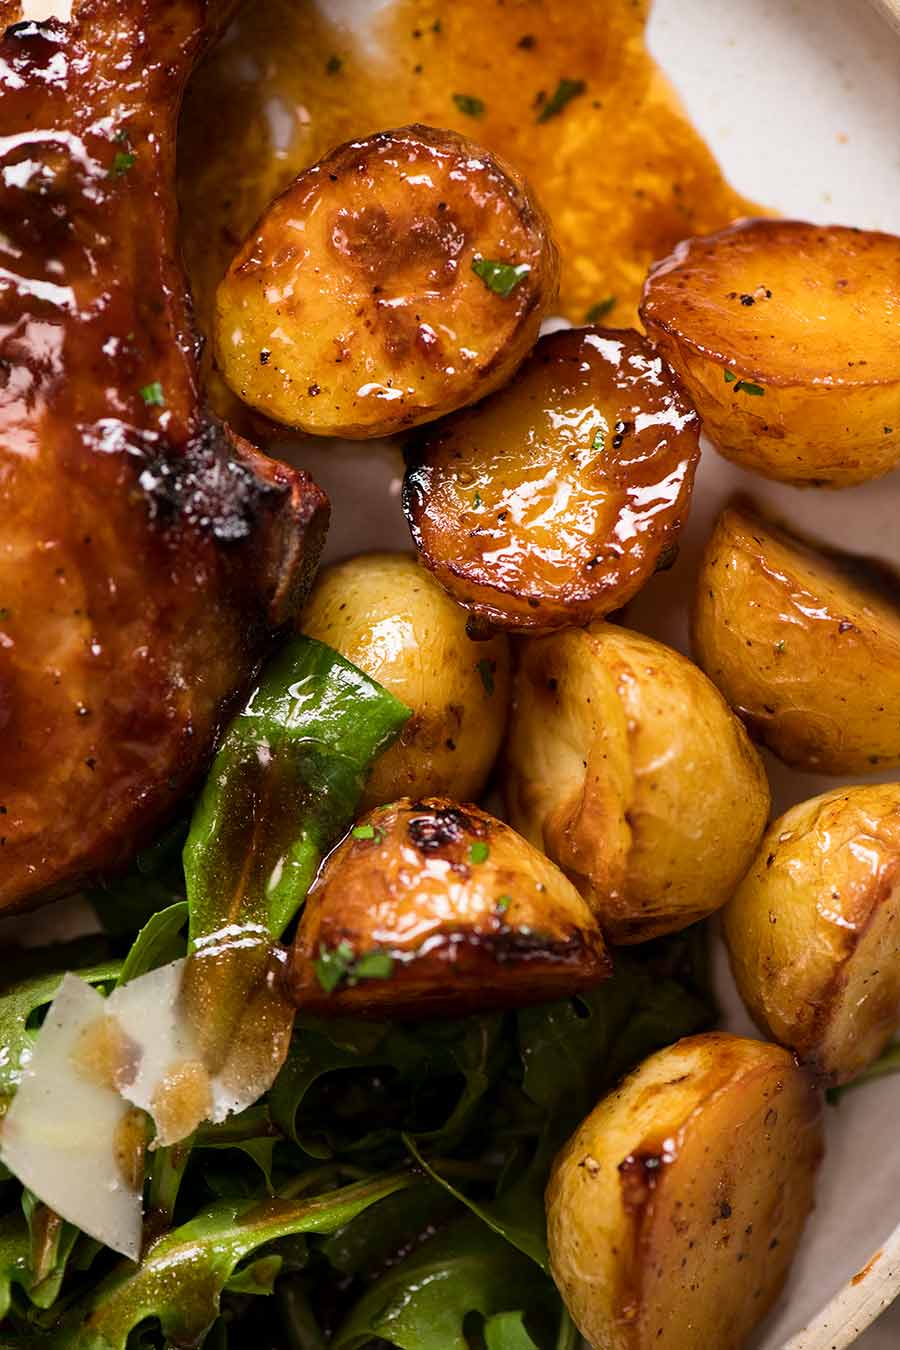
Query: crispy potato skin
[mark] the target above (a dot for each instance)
(625, 764)
(803, 644)
(388, 615)
(352, 308)
(554, 501)
(814, 930)
(807, 313)
(675, 1209)
(471, 914)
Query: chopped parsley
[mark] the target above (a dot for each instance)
(368, 832)
(333, 65)
(4, 613)
(338, 963)
(486, 670)
(153, 395)
(601, 309)
(562, 95)
(503, 904)
(479, 852)
(779, 645)
(122, 162)
(476, 500)
(743, 386)
(469, 105)
(500, 277)
(599, 441)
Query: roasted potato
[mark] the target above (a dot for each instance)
(401, 277)
(625, 764)
(814, 930)
(390, 617)
(674, 1211)
(785, 335)
(555, 500)
(803, 643)
(429, 908)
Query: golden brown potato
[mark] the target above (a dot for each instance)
(554, 501)
(390, 617)
(786, 337)
(431, 908)
(674, 1211)
(814, 931)
(627, 767)
(401, 277)
(804, 644)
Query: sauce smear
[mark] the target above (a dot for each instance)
(568, 93)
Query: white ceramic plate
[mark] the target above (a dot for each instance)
(800, 100)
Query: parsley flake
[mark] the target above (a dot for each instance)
(748, 387)
(500, 277)
(486, 670)
(503, 904)
(333, 65)
(153, 395)
(367, 832)
(780, 645)
(479, 852)
(4, 614)
(476, 500)
(373, 966)
(469, 105)
(599, 441)
(122, 162)
(332, 965)
(601, 309)
(563, 94)
(730, 377)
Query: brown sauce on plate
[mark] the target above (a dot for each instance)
(568, 93)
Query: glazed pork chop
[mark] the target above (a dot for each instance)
(147, 553)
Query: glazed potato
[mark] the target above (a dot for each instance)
(401, 277)
(390, 617)
(814, 931)
(804, 644)
(429, 908)
(554, 501)
(785, 335)
(675, 1210)
(625, 764)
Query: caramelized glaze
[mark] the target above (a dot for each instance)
(145, 552)
(619, 169)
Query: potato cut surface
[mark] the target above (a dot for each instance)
(804, 644)
(785, 335)
(814, 930)
(675, 1209)
(401, 277)
(390, 617)
(554, 501)
(431, 907)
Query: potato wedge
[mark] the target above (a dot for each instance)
(626, 765)
(554, 501)
(785, 335)
(803, 643)
(432, 908)
(814, 930)
(675, 1210)
(401, 277)
(389, 616)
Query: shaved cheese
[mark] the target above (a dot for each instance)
(68, 1133)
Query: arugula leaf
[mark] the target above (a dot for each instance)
(283, 787)
(372, 1240)
(506, 1331)
(180, 1280)
(52, 1241)
(157, 943)
(422, 1303)
(15, 1259)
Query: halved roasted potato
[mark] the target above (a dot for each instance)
(626, 765)
(803, 643)
(814, 931)
(430, 908)
(785, 335)
(389, 616)
(401, 277)
(675, 1210)
(554, 501)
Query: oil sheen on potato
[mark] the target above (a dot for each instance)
(568, 93)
